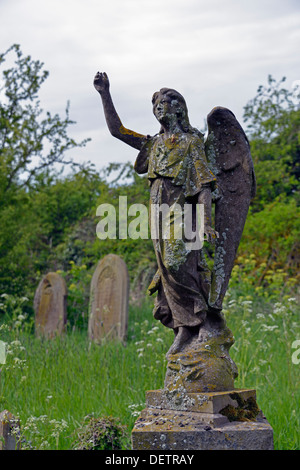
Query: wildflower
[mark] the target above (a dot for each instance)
(279, 308)
(262, 362)
(269, 327)
(260, 315)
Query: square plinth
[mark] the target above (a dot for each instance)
(202, 421)
(211, 402)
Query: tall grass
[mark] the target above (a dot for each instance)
(51, 385)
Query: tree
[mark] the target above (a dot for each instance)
(271, 232)
(273, 120)
(30, 140)
(35, 208)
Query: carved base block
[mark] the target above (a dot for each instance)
(204, 366)
(202, 421)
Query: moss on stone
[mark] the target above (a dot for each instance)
(247, 410)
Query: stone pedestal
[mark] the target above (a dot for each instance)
(179, 420)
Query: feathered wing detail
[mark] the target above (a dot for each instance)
(229, 157)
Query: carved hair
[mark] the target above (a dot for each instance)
(182, 111)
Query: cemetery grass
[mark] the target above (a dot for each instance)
(52, 385)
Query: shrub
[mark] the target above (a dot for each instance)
(104, 433)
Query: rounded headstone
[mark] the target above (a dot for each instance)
(108, 318)
(50, 305)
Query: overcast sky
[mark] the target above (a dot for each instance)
(213, 52)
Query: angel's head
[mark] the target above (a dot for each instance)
(169, 107)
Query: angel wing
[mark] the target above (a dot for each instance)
(229, 157)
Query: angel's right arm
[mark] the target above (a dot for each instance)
(113, 121)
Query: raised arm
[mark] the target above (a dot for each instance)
(115, 126)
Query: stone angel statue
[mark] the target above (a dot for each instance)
(185, 169)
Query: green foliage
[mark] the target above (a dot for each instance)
(78, 281)
(105, 433)
(35, 227)
(271, 233)
(15, 311)
(271, 241)
(274, 127)
(33, 214)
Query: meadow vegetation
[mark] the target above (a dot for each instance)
(54, 386)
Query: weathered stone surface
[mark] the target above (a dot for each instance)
(177, 430)
(211, 402)
(8, 440)
(197, 421)
(108, 317)
(50, 305)
(203, 366)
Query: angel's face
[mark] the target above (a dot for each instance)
(165, 106)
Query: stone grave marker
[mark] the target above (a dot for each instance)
(108, 318)
(8, 439)
(50, 305)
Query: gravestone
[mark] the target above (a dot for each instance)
(50, 305)
(108, 318)
(8, 439)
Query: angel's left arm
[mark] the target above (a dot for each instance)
(204, 197)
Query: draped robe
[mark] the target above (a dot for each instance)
(177, 171)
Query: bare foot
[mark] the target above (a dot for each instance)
(181, 338)
(205, 332)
